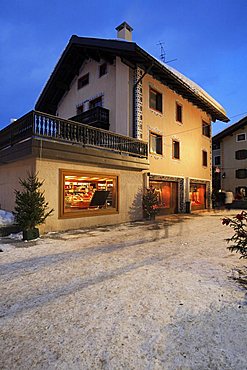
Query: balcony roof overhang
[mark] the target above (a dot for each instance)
(80, 49)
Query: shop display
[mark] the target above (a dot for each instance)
(88, 192)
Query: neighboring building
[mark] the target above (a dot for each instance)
(150, 110)
(230, 159)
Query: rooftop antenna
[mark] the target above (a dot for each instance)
(163, 53)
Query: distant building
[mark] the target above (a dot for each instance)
(114, 119)
(230, 159)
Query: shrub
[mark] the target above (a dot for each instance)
(239, 239)
(31, 207)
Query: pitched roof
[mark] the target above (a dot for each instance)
(231, 129)
(82, 48)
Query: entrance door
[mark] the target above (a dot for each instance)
(167, 194)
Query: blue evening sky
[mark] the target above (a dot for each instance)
(207, 37)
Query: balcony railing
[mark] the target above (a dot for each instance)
(41, 125)
(96, 117)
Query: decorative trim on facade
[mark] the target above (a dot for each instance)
(138, 104)
(180, 181)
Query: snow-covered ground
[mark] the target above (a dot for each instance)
(134, 296)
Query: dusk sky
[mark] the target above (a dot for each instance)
(208, 39)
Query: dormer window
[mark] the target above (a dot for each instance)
(83, 81)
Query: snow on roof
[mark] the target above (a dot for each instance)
(198, 90)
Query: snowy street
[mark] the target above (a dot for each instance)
(142, 295)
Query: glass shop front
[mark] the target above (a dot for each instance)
(82, 193)
(167, 195)
(197, 196)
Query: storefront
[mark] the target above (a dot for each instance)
(197, 196)
(167, 195)
(85, 194)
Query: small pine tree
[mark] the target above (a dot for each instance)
(150, 203)
(31, 207)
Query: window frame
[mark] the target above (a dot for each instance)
(174, 143)
(241, 133)
(85, 212)
(217, 164)
(97, 99)
(241, 153)
(241, 177)
(204, 156)
(206, 129)
(158, 100)
(80, 83)
(157, 136)
(103, 65)
(179, 106)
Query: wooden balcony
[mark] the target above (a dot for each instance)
(97, 117)
(38, 125)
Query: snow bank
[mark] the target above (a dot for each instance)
(6, 218)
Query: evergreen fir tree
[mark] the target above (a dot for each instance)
(31, 208)
(150, 203)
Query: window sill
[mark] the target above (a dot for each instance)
(88, 213)
(156, 112)
(156, 154)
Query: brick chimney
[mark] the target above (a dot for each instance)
(124, 31)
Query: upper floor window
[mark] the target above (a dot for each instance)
(83, 81)
(206, 129)
(241, 154)
(155, 143)
(155, 100)
(175, 149)
(241, 137)
(102, 69)
(217, 160)
(216, 145)
(204, 158)
(241, 173)
(179, 113)
(97, 102)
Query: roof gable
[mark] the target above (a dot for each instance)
(82, 48)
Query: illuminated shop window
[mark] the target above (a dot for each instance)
(87, 194)
(198, 196)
